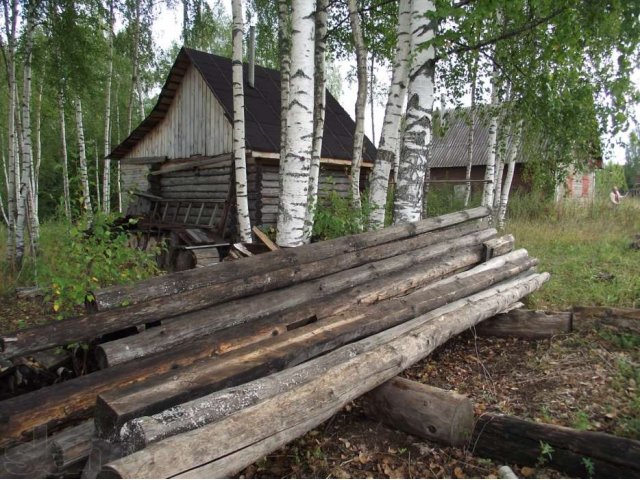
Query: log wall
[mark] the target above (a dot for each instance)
(194, 125)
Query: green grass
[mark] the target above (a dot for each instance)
(586, 248)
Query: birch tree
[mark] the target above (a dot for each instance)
(284, 46)
(239, 153)
(106, 173)
(82, 162)
(390, 136)
(361, 102)
(417, 135)
(64, 157)
(319, 97)
(295, 164)
(511, 167)
(472, 130)
(492, 145)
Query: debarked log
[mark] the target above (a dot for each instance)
(243, 433)
(72, 400)
(527, 324)
(113, 297)
(421, 410)
(577, 453)
(113, 409)
(88, 327)
(189, 326)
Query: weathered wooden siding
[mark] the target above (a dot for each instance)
(134, 178)
(194, 125)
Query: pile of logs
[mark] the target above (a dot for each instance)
(255, 352)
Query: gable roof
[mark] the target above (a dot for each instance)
(262, 108)
(449, 147)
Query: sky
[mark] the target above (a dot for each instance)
(167, 29)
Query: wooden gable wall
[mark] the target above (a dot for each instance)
(194, 125)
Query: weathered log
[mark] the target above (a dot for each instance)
(102, 452)
(112, 297)
(244, 283)
(498, 246)
(624, 318)
(183, 418)
(192, 325)
(514, 440)
(526, 324)
(72, 445)
(113, 409)
(421, 410)
(61, 403)
(31, 459)
(319, 399)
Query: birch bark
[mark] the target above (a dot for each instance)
(106, 172)
(295, 165)
(38, 160)
(472, 131)
(319, 98)
(408, 202)
(82, 159)
(361, 102)
(506, 189)
(65, 157)
(390, 136)
(134, 67)
(239, 149)
(492, 145)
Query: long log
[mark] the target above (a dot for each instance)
(199, 411)
(112, 297)
(624, 318)
(188, 326)
(421, 410)
(319, 399)
(527, 324)
(245, 283)
(72, 445)
(113, 409)
(65, 402)
(514, 440)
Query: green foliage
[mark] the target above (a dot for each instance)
(581, 421)
(546, 453)
(588, 466)
(584, 247)
(336, 217)
(449, 198)
(608, 177)
(624, 340)
(88, 260)
(632, 160)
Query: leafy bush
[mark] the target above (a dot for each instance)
(336, 217)
(443, 198)
(88, 260)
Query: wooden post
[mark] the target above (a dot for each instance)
(421, 410)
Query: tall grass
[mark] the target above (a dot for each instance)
(585, 247)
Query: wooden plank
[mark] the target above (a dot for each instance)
(175, 167)
(265, 239)
(319, 399)
(142, 160)
(73, 445)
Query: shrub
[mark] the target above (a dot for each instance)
(336, 217)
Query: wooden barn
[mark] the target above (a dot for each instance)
(449, 161)
(177, 164)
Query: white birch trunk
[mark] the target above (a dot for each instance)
(65, 158)
(319, 98)
(119, 137)
(361, 103)
(239, 149)
(417, 135)
(38, 160)
(27, 177)
(134, 66)
(472, 131)
(492, 145)
(499, 172)
(97, 169)
(506, 189)
(371, 96)
(82, 159)
(106, 173)
(390, 136)
(5, 216)
(292, 209)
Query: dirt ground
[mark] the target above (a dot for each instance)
(587, 380)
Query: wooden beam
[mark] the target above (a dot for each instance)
(142, 160)
(177, 166)
(265, 239)
(323, 160)
(527, 324)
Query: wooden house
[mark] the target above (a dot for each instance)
(449, 159)
(178, 161)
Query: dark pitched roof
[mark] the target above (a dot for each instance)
(449, 148)
(262, 108)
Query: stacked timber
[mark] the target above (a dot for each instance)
(260, 350)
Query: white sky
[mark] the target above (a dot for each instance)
(168, 26)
